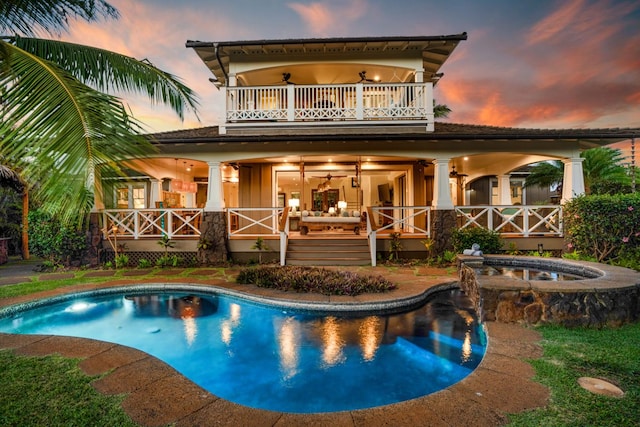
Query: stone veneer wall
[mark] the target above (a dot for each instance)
(592, 302)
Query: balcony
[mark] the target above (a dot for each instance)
(320, 106)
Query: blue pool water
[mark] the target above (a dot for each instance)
(276, 358)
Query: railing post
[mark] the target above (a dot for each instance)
(490, 213)
(284, 236)
(136, 224)
(525, 221)
(373, 247)
(359, 101)
(291, 103)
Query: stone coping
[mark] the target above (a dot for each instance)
(597, 276)
(157, 395)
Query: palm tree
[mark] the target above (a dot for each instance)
(602, 170)
(440, 111)
(58, 124)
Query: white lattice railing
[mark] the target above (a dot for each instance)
(348, 102)
(253, 221)
(545, 220)
(405, 219)
(141, 223)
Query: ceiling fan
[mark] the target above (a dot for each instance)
(363, 77)
(454, 173)
(286, 77)
(329, 176)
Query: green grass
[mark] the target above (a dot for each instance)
(36, 285)
(612, 354)
(53, 391)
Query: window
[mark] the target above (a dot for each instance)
(131, 196)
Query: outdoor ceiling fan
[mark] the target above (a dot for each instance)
(286, 77)
(363, 77)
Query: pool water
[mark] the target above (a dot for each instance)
(280, 359)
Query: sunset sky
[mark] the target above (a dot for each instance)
(526, 63)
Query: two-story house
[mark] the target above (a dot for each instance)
(336, 138)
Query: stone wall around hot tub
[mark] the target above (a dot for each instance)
(612, 298)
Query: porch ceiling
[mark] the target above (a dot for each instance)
(433, 50)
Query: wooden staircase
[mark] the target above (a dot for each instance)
(307, 250)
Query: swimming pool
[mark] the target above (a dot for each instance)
(278, 358)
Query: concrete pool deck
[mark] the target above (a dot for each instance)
(158, 395)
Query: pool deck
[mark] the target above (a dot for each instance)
(158, 395)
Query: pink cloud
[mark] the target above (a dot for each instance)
(554, 23)
(325, 18)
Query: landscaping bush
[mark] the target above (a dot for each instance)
(489, 241)
(604, 227)
(307, 279)
(51, 240)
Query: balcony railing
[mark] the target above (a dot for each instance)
(543, 220)
(152, 223)
(348, 102)
(253, 221)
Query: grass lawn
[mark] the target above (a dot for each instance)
(611, 354)
(53, 391)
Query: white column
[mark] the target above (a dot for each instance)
(155, 193)
(504, 190)
(573, 179)
(442, 192)
(215, 195)
(94, 182)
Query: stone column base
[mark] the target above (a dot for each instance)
(213, 247)
(443, 222)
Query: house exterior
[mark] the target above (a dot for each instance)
(338, 136)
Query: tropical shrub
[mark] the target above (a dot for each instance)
(50, 239)
(122, 260)
(317, 280)
(604, 227)
(144, 263)
(490, 241)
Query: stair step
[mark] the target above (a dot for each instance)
(328, 262)
(328, 251)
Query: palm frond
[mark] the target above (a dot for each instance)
(545, 174)
(58, 131)
(604, 164)
(51, 16)
(113, 72)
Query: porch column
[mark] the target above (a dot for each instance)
(504, 190)
(215, 197)
(213, 247)
(573, 179)
(441, 191)
(94, 182)
(156, 192)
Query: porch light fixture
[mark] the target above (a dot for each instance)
(540, 249)
(177, 184)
